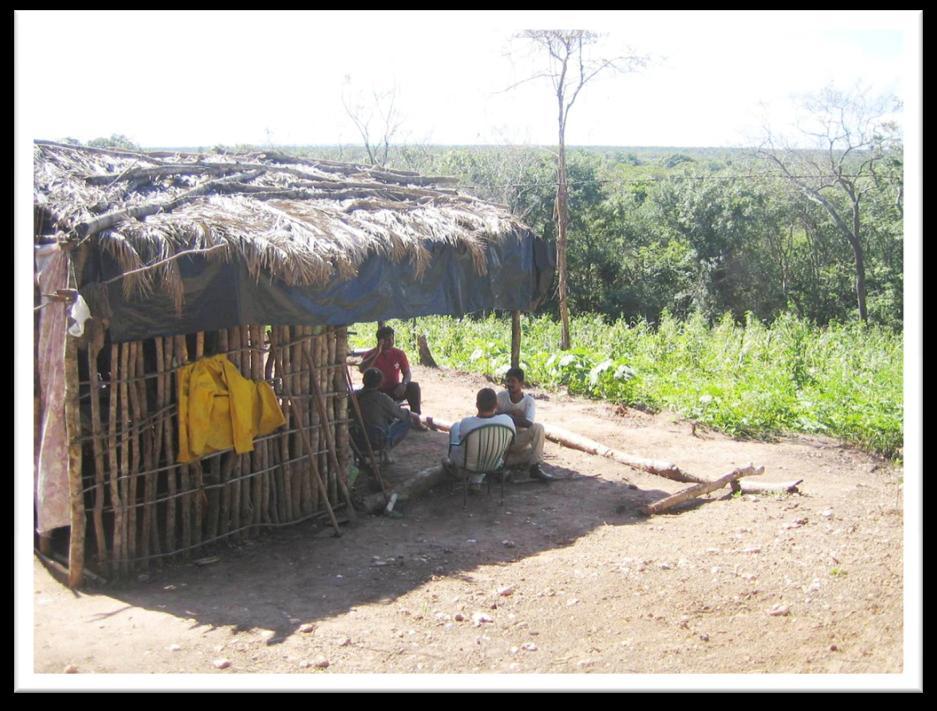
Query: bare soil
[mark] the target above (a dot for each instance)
(564, 577)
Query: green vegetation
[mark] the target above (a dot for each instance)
(688, 230)
(748, 380)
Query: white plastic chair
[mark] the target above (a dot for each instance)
(483, 451)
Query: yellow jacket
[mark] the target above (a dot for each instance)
(220, 409)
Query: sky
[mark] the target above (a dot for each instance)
(202, 78)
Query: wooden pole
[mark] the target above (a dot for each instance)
(320, 403)
(258, 461)
(337, 385)
(302, 496)
(76, 546)
(375, 463)
(126, 550)
(245, 459)
(700, 489)
(164, 351)
(117, 551)
(290, 385)
(286, 499)
(315, 473)
(515, 338)
(161, 454)
(182, 358)
(325, 382)
(319, 354)
(145, 440)
(131, 503)
(234, 489)
(95, 344)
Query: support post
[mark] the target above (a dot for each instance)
(515, 338)
(76, 546)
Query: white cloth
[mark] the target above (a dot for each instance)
(526, 408)
(79, 314)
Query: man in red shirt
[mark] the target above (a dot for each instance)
(393, 363)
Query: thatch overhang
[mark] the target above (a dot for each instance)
(168, 242)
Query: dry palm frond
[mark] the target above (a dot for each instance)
(306, 222)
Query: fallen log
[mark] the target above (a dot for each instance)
(418, 483)
(700, 489)
(764, 487)
(660, 468)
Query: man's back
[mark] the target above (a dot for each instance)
(378, 409)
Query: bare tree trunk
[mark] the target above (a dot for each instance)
(860, 263)
(562, 219)
(515, 339)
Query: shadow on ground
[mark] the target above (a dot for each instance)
(289, 577)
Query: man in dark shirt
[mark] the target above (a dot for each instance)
(378, 410)
(393, 364)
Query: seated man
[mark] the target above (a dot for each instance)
(393, 363)
(379, 411)
(528, 442)
(486, 402)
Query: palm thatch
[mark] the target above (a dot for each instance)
(306, 222)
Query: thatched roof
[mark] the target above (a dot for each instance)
(306, 222)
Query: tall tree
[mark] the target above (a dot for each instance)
(569, 64)
(376, 117)
(851, 137)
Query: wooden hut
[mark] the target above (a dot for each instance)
(147, 262)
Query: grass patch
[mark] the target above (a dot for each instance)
(748, 380)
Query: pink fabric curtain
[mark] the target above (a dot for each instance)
(51, 470)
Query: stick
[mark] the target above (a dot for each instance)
(316, 476)
(164, 352)
(700, 489)
(337, 381)
(375, 464)
(328, 346)
(159, 455)
(300, 384)
(282, 355)
(94, 348)
(295, 477)
(146, 437)
(131, 503)
(182, 357)
(224, 515)
(314, 353)
(320, 402)
(234, 349)
(126, 550)
(245, 459)
(257, 456)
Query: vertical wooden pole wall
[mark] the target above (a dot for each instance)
(143, 504)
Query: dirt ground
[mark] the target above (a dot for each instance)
(567, 577)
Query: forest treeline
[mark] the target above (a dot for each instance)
(708, 231)
(682, 230)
